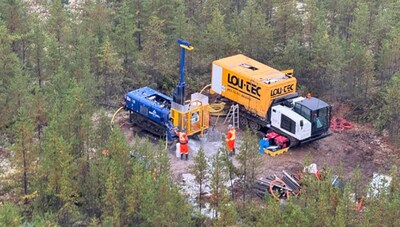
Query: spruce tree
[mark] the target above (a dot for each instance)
(109, 68)
(218, 180)
(256, 37)
(10, 215)
(25, 151)
(11, 77)
(218, 41)
(56, 182)
(389, 114)
(199, 169)
(157, 62)
(123, 36)
(250, 162)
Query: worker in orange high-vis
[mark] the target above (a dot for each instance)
(184, 147)
(230, 140)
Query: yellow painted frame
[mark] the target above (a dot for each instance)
(183, 120)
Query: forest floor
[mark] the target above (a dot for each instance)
(341, 152)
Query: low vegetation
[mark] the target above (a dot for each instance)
(63, 61)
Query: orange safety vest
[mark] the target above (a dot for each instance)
(232, 134)
(183, 139)
(231, 140)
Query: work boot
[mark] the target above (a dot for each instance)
(187, 157)
(181, 156)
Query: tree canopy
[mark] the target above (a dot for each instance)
(62, 62)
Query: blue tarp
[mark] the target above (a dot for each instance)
(264, 143)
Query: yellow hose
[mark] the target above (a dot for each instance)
(216, 109)
(204, 88)
(112, 119)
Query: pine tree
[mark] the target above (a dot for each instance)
(43, 220)
(361, 25)
(103, 130)
(199, 169)
(81, 62)
(389, 60)
(285, 21)
(25, 150)
(72, 111)
(119, 150)
(95, 28)
(218, 41)
(152, 199)
(346, 14)
(161, 161)
(112, 199)
(38, 109)
(157, 62)
(218, 179)
(270, 207)
(58, 27)
(10, 78)
(359, 73)
(37, 56)
(232, 172)
(10, 215)
(140, 20)
(326, 62)
(250, 162)
(56, 181)
(123, 36)
(255, 35)
(117, 168)
(389, 115)
(293, 215)
(140, 184)
(227, 213)
(95, 174)
(110, 68)
(181, 24)
(17, 23)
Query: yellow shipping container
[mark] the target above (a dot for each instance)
(250, 83)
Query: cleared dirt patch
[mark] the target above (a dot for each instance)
(357, 147)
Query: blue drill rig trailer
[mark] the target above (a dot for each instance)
(150, 110)
(162, 115)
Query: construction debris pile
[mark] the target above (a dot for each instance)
(289, 184)
(278, 188)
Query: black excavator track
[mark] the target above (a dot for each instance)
(147, 125)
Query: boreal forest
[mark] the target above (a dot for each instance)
(65, 66)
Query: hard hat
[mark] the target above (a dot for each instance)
(230, 126)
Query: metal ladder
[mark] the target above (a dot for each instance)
(233, 115)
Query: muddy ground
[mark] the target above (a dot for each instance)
(344, 151)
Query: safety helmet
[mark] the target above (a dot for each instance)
(230, 126)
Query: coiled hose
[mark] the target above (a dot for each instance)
(215, 109)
